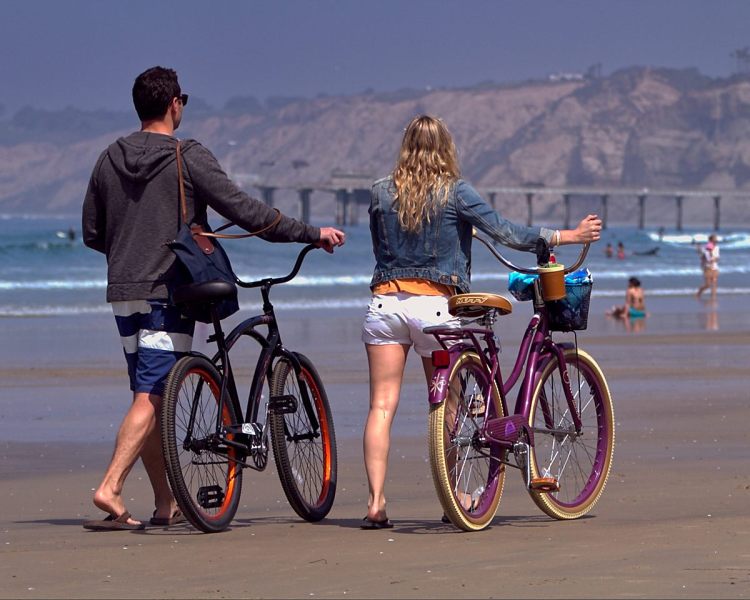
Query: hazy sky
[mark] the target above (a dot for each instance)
(86, 53)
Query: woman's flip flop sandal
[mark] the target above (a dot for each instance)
(370, 524)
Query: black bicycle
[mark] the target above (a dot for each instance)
(208, 441)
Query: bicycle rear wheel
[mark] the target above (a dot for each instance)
(468, 474)
(303, 438)
(579, 462)
(203, 471)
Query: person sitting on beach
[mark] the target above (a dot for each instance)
(710, 266)
(130, 210)
(421, 220)
(635, 303)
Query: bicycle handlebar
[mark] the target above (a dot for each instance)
(528, 271)
(269, 281)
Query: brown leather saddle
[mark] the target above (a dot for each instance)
(477, 304)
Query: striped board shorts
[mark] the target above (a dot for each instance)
(154, 337)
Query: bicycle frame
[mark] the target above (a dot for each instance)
(536, 350)
(249, 437)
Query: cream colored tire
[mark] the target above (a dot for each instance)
(468, 475)
(580, 462)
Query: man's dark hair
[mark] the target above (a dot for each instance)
(634, 282)
(153, 90)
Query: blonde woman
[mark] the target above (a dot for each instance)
(421, 218)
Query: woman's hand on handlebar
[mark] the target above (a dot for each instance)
(330, 237)
(588, 230)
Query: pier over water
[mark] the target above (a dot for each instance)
(351, 192)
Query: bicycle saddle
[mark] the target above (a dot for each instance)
(206, 291)
(475, 305)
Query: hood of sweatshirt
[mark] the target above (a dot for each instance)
(142, 155)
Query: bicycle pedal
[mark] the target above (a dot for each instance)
(210, 496)
(282, 405)
(545, 485)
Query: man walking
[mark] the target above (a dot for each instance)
(130, 210)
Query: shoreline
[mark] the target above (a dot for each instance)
(64, 378)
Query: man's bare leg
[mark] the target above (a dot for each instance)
(136, 427)
(152, 456)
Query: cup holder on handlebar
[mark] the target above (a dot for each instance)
(552, 278)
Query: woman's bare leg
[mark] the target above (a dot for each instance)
(386, 364)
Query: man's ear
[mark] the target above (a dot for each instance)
(172, 110)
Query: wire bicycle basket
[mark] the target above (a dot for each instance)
(568, 314)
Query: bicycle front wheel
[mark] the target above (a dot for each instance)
(203, 470)
(303, 438)
(467, 472)
(579, 461)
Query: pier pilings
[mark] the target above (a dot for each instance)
(350, 193)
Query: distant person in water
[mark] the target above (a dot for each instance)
(635, 304)
(609, 251)
(710, 266)
(620, 250)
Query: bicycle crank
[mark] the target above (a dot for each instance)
(543, 485)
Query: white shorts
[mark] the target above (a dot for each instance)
(400, 318)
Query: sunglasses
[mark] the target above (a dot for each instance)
(183, 98)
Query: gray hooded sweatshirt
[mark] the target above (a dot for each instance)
(132, 209)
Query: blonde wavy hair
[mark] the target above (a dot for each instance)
(426, 170)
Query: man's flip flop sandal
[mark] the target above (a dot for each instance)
(175, 519)
(112, 523)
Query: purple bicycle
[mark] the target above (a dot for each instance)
(561, 432)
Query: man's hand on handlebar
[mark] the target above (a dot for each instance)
(330, 237)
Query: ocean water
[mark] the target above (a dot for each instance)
(53, 314)
(43, 273)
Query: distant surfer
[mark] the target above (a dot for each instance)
(652, 252)
(69, 235)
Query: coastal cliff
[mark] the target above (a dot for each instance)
(639, 127)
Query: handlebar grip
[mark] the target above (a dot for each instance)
(542, 252)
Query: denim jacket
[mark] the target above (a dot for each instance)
(441, 251)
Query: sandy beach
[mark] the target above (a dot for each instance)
(672, 523)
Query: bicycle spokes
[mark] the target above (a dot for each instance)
(303, 437)
(579, 458)
(467, 469)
